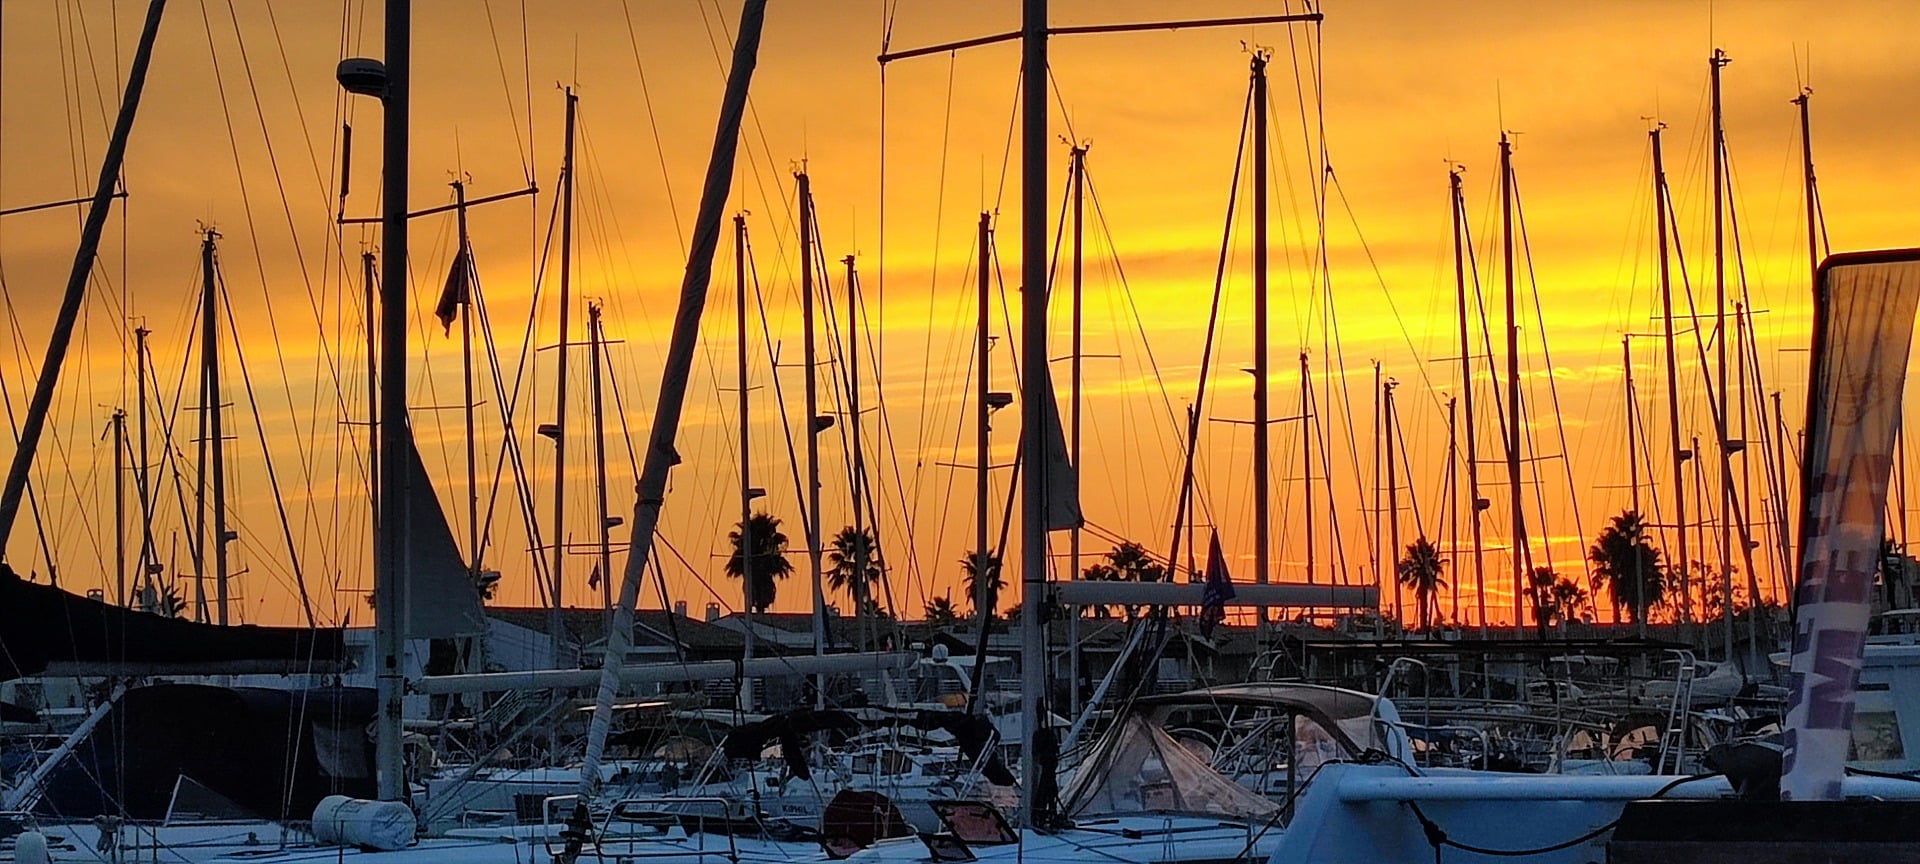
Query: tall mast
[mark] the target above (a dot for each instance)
(140, 470)
(746, 450)
(660, 454)
(119, 431)
(1453, 498)
(814, 423)
(371, 285)
(556, 629)
(1381, 581)
(597, 349)
(200, 464)
(982, 347)
(1262, 505)
(1077, 171)
(857, 487)
(1727, 505)
(1457, 204)
(1393, 502)
(465, 255)
(1633, 477)
(1307, 428)
(216, 433)
(1033, 357)
(1810, 189)
(1513, 385)
(1810, 192)
(396, 438)
(1680, 454)
(68, 315)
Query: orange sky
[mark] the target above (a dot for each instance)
(241, 131)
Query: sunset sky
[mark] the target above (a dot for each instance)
(240, 130)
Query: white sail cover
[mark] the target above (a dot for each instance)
(1863, 329)
(1139, 768)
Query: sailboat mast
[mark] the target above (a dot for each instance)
(1380, 579)
(1810, 192)
(1715, 63)
(555, 628)
(1518, 510)
(395, 437)
(140, 470)
(464, 255)
(119, 429)
(216, 431)
(1034, 410)
(596, 359)
(660, 457)
(857, 486)
(1453, 498)
(1077, 171)
(985, 570)
(1393, 501)
(1633, 478)
(1307, 428)
(1680, 454)
(370, 283)
(1262, 503)
(1809, 186)
(815, 426)
(1457, 204)
(745, 430)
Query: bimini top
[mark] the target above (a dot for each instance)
(1362, 721)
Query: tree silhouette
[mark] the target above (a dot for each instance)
(1100, 572)
(941, 614)
(982, 580)
(849, 548)
(1420, 569)
(1628, 565)
(1556, 599)
(1129, 562)
(162, 598)
(765, 548)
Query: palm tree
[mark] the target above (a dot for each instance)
(1100, 572)
(162, 598)
(850, 547)
(940, 613)
(1556, 599)
(983, 582)
(766, 550)
(1420, 569)
(1629, 566)
(1130, 562)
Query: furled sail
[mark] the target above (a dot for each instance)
(44, 630)
(1062, 476)
(1864, 309)
(441, 599)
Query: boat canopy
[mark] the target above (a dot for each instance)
(1358, 721)
(1139, 768)
(44, 630)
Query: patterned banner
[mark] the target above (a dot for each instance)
(1862, 331)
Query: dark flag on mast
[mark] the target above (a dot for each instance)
(1219, 589)
(454, 297)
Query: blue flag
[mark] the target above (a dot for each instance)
(1213, 600)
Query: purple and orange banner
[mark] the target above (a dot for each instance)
(1862, 332)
